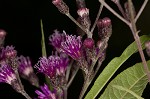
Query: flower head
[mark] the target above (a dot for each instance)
(44, 66)
(8, 52)
(7, 75)
(45, 93)
(72, 46)
(56, 38)
(25, 66)
(26, 70)
(53, 66)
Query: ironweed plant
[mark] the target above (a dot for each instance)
(82, 52)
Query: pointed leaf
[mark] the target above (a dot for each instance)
(112, 67)
(133, 79)
(43, 40)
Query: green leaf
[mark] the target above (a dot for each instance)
(112, 67)
(44, 50)
(129, 84)
(128, 91)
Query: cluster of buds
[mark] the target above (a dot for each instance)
(104, 31)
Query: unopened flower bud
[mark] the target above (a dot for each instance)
(2, 37)
(2, 33)
(88, 43)
(84, 18)
(83, 12)
(127, 12)
(104, 28)
(61, 5)
(147, 45)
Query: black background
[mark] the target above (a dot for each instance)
(21, 20)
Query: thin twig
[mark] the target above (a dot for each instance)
(71, 79)
(68, 70)
(97, 17)
(25, 94)
(137, 40)
(141, 10)
(121, 9)
(114, 12)
(89, 34)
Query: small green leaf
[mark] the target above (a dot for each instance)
(129, 84)
(112, 67)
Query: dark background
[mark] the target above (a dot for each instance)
(21, 20)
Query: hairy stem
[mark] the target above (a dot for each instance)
(97, 17)
(137, 40)
(114, 12)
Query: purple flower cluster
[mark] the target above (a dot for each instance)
(69, 44)
(7, 74)
(53, 65)
(56, 39)
(45, 93)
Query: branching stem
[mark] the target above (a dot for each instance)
(137, 40)
(114, 12)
